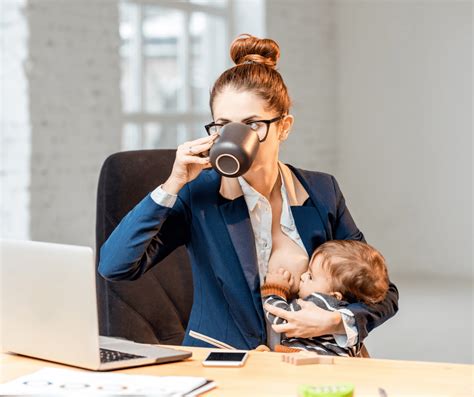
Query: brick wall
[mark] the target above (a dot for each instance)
(73, 75)
(14, 123)
(74, 80)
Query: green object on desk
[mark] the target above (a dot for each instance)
(342, 390)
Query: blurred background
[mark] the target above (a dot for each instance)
(382, 94)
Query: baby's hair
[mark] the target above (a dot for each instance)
(357, 270)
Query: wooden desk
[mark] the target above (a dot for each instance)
(265, 374)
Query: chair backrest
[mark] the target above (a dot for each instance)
(156, 307)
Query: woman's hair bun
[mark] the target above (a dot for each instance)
(250, 49)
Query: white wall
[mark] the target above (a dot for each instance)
(304, 30)
(248, 17)
(405, 163)
(405, 129)
(74, 80)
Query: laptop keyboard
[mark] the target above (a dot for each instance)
(107, 356)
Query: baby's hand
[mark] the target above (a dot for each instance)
(281, 277)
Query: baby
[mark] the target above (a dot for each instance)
(340, 272)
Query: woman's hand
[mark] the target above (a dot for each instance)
(191, 158)
(311, 321)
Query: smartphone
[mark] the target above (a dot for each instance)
(226, 359)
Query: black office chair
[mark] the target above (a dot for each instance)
(156, 307)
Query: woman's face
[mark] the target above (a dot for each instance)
(232, 105)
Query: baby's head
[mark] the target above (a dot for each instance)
(346, 269)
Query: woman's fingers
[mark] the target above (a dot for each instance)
(198, 149)
(284, 328)
(191, 159)
(293, 326)
(187, 159)
(276, 311)
(203, 140)
(310, 321)
(304, 303)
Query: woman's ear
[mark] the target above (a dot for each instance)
(286, 124)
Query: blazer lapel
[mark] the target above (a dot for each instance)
(306, 209)
(310, 227)
(237, 221)
(236, 217)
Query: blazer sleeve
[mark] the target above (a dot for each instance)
(367, 317)
(144, 237)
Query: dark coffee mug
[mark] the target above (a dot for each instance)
(234, 151)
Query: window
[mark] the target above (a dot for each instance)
(171, 53)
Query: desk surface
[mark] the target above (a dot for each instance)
(265, 374)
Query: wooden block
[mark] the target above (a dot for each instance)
(305, 358)
(286, 358)
(326, 359)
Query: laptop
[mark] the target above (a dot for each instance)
(49, 310)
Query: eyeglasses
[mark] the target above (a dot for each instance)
(261, 127)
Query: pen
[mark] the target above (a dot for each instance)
(211, 341)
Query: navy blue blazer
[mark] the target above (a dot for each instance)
(219, 239)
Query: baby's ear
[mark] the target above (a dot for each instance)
(337, 295)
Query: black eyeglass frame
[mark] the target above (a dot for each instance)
(267, 122)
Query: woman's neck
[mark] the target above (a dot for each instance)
(263, 179)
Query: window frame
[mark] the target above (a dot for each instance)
(185, 115)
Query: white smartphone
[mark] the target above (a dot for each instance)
(226, 359)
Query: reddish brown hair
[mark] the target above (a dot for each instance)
(357, 270)
(255, 71)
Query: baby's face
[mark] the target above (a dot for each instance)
(316, 279)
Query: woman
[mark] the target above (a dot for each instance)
(235, 229)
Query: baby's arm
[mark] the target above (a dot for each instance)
(276, 292)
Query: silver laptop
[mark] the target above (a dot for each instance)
(49, 310)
